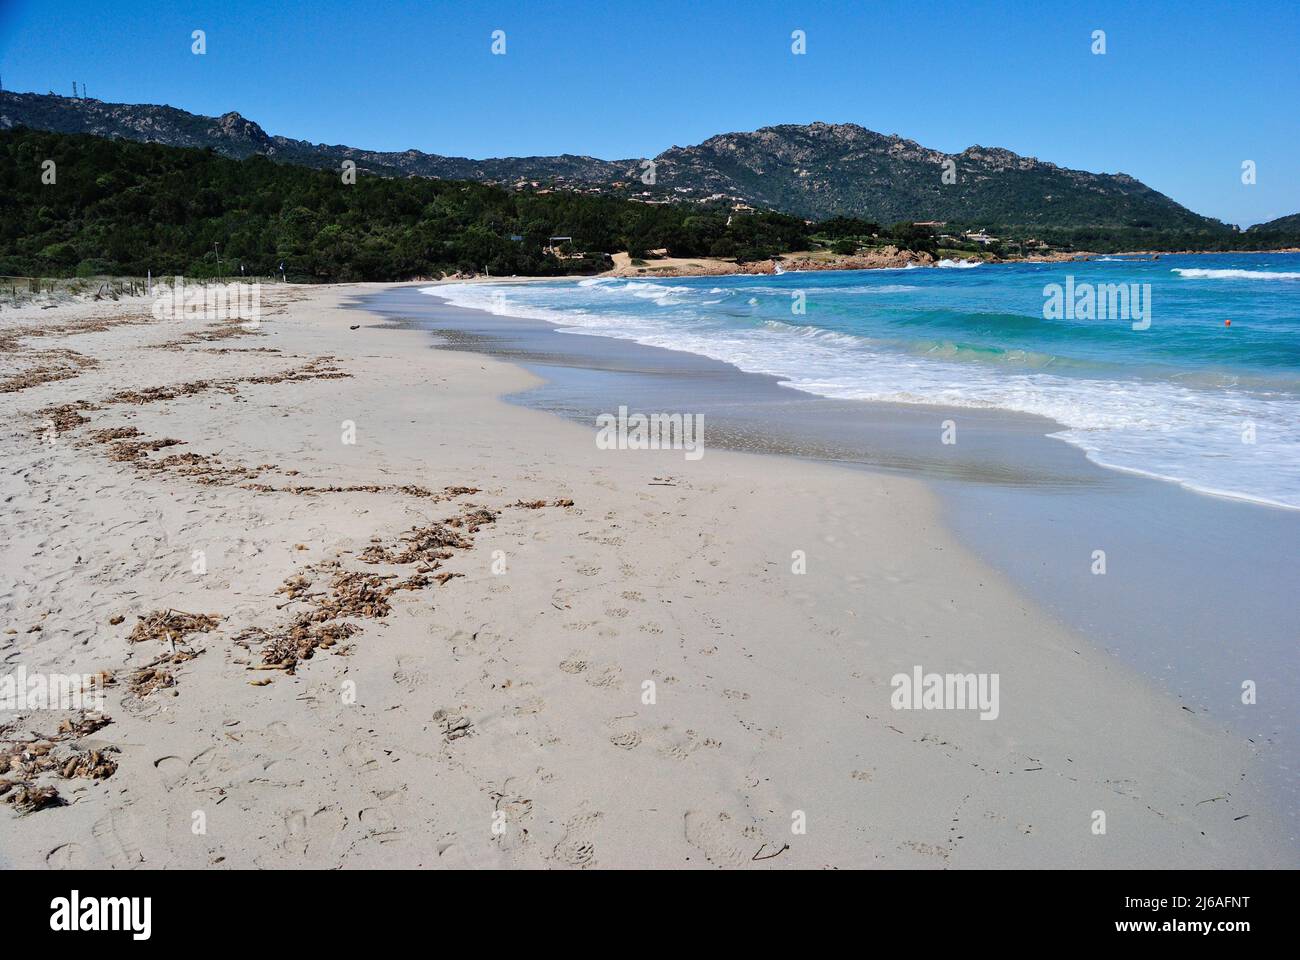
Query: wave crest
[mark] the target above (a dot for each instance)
(1194, 273)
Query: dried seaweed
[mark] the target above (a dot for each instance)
(91, 765)
(427, 545)
(83, 726)
(67, 416)
(25, 760)
(213, 333)
(26, 798)
(110, 434)
(300, 641)
(155, 675)
(134, 451)
(473, 520)
(173, 625)
(320, 368)
(57, 365)
(154, 394)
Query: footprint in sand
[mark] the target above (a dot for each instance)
(463, 644)
(610, 676)
(66, 856)
(577, 848)
(677, 746)
(626, 741)
(719, 838)
(295, 829)
(171, 770)
(481, 641)
(319, 830)
(378, 822)
(283, 772)
(514, 798)
(516, 808)
(360, 758)
(529, 706)
(409, 678)
(116, 835)
(211, 763)
(142, 708)
(280, 734)
(574, 664)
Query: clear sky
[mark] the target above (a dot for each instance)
(1185, 92)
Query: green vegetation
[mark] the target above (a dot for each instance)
(855, 177)
(1147, 237)
(124, 208)
(848, 235)
(119, 207)
(839, 228)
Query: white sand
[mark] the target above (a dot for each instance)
(772, 689)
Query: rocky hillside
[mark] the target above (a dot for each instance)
(822, 170)
(236, 136)
(1289, 225)
(815, 171)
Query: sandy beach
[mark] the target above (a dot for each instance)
(360, 612)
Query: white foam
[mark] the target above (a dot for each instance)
(1188, 434)
(1191, 273)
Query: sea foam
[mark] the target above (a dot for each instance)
(1192, 401)
(1190, 273)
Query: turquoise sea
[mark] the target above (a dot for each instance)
(1207, 394)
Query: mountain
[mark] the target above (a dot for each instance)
(815, 171)
(822, 170)
(1288, 226)
(236, 136)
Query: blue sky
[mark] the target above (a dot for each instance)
(1184, 93)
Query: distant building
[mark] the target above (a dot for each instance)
(554, 246)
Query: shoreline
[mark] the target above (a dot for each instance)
(818, 261)
(1010, 472)
(520, 693)
(1053, 428)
